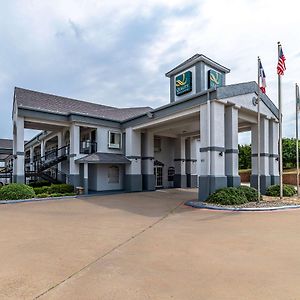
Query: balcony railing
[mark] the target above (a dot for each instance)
(88, 147)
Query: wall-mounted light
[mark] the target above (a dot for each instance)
(220, 153)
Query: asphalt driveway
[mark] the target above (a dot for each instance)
(146, 246)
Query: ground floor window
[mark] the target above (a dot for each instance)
(113, 174)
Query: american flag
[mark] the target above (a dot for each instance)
(262, 76)
(281, 62)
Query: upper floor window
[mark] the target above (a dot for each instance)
(114, 140)
(157, 144)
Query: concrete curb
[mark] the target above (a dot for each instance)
(36, 199)
(197, 204)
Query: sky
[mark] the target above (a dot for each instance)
(117, 52)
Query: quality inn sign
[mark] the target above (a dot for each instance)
(183, 83)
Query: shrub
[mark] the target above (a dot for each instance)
(16, 191)
(70, 194)
(250, 193)
(274, 190)
(44, 195)
(61, 188)
(40, 183)
(41, 190)
(56, 195)
(228, 196)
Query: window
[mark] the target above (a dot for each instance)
(113, 174)
(114, 140)
(157, 144)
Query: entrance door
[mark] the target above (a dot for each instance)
(158, 172)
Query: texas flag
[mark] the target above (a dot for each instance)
(262, 76)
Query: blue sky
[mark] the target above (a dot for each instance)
(117, 52)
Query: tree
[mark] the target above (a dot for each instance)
(244, 156)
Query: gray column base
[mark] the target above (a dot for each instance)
(179, 181)
(75, 180)
(86, 185)
(148, 182)
(209, 184)
(133, 183)
(18, 178)
(274, 179)
(191, 180)
(233, 181)
(265, 182)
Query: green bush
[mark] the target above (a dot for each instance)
(41, 190)
(250, 193)
(40, 183)
(228, 196)
(61, 188)
(16, 191)
(274, 190)
(56, 195)
(70, 194)
(44, 195)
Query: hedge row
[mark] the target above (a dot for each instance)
(274, 190)
(17, 191)
(54, 189)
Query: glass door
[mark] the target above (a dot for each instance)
(158, 172)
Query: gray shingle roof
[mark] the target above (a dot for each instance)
(192, 60)
(6, 144)
(104, 158)
(61, 105)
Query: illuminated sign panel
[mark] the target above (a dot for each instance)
(215, 79)
(183, 83)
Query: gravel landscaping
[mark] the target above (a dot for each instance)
(266, 202)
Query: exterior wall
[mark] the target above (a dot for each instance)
(102, 140)
(98, 178)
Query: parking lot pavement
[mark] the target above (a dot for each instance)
(146, 246)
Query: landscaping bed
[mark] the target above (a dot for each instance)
(246, 198)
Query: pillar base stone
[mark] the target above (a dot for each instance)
(233, 181)
(18, 178)
(148, 182)
(209, 184)
(275, 179)
(265, 182)
(180, 181)
(133, 182)
(191, 180)
(75, 180)
(86, 185)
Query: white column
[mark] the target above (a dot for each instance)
(86, 178)
(273, 150)
(31, 153)
(19, 145)
(14, 153)
(212, 148)
(180, 163)
(191, 162)
(148, 161)
(231, 145)
(133, 177)
(74, 152)
(265, 179)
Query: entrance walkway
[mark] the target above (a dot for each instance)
(146, 246)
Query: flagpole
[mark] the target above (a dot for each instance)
(280, 131)
(297, 136)
(258, 128)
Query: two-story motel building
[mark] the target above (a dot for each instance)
(191, 141)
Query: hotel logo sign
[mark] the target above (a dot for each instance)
(215, 79)
(183, 83)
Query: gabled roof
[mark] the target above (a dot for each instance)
(104, 158)
(38, 101)
(6, 144)
(193, 60)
